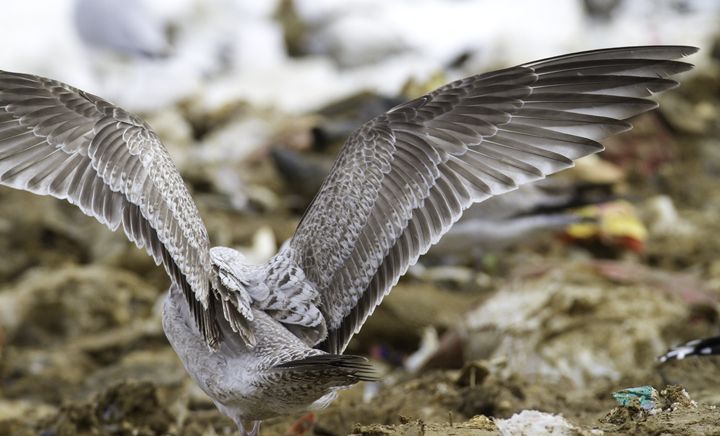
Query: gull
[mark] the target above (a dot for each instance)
(267, 340)
(124, 26)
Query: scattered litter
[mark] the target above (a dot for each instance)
(532, 422)
(647, 396)
(613, 224)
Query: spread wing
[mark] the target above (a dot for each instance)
(405, 177)
(60, 141)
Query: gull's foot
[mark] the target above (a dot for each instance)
(254, 432)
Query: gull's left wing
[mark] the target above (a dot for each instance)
(405, 177)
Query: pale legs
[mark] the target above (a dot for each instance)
(254, 432)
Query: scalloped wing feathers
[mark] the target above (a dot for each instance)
(60, 141)
(405, 177)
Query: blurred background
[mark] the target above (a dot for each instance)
(550, 298)
(302, 54)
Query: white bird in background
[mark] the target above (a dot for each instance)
(125, 26)
(266, 340)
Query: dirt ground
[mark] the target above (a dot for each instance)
(556, 325)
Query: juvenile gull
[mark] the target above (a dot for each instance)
(266, 340)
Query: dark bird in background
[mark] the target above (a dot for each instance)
(696, 348)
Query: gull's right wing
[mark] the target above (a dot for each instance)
(58, 140)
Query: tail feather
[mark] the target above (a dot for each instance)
(355, 366)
